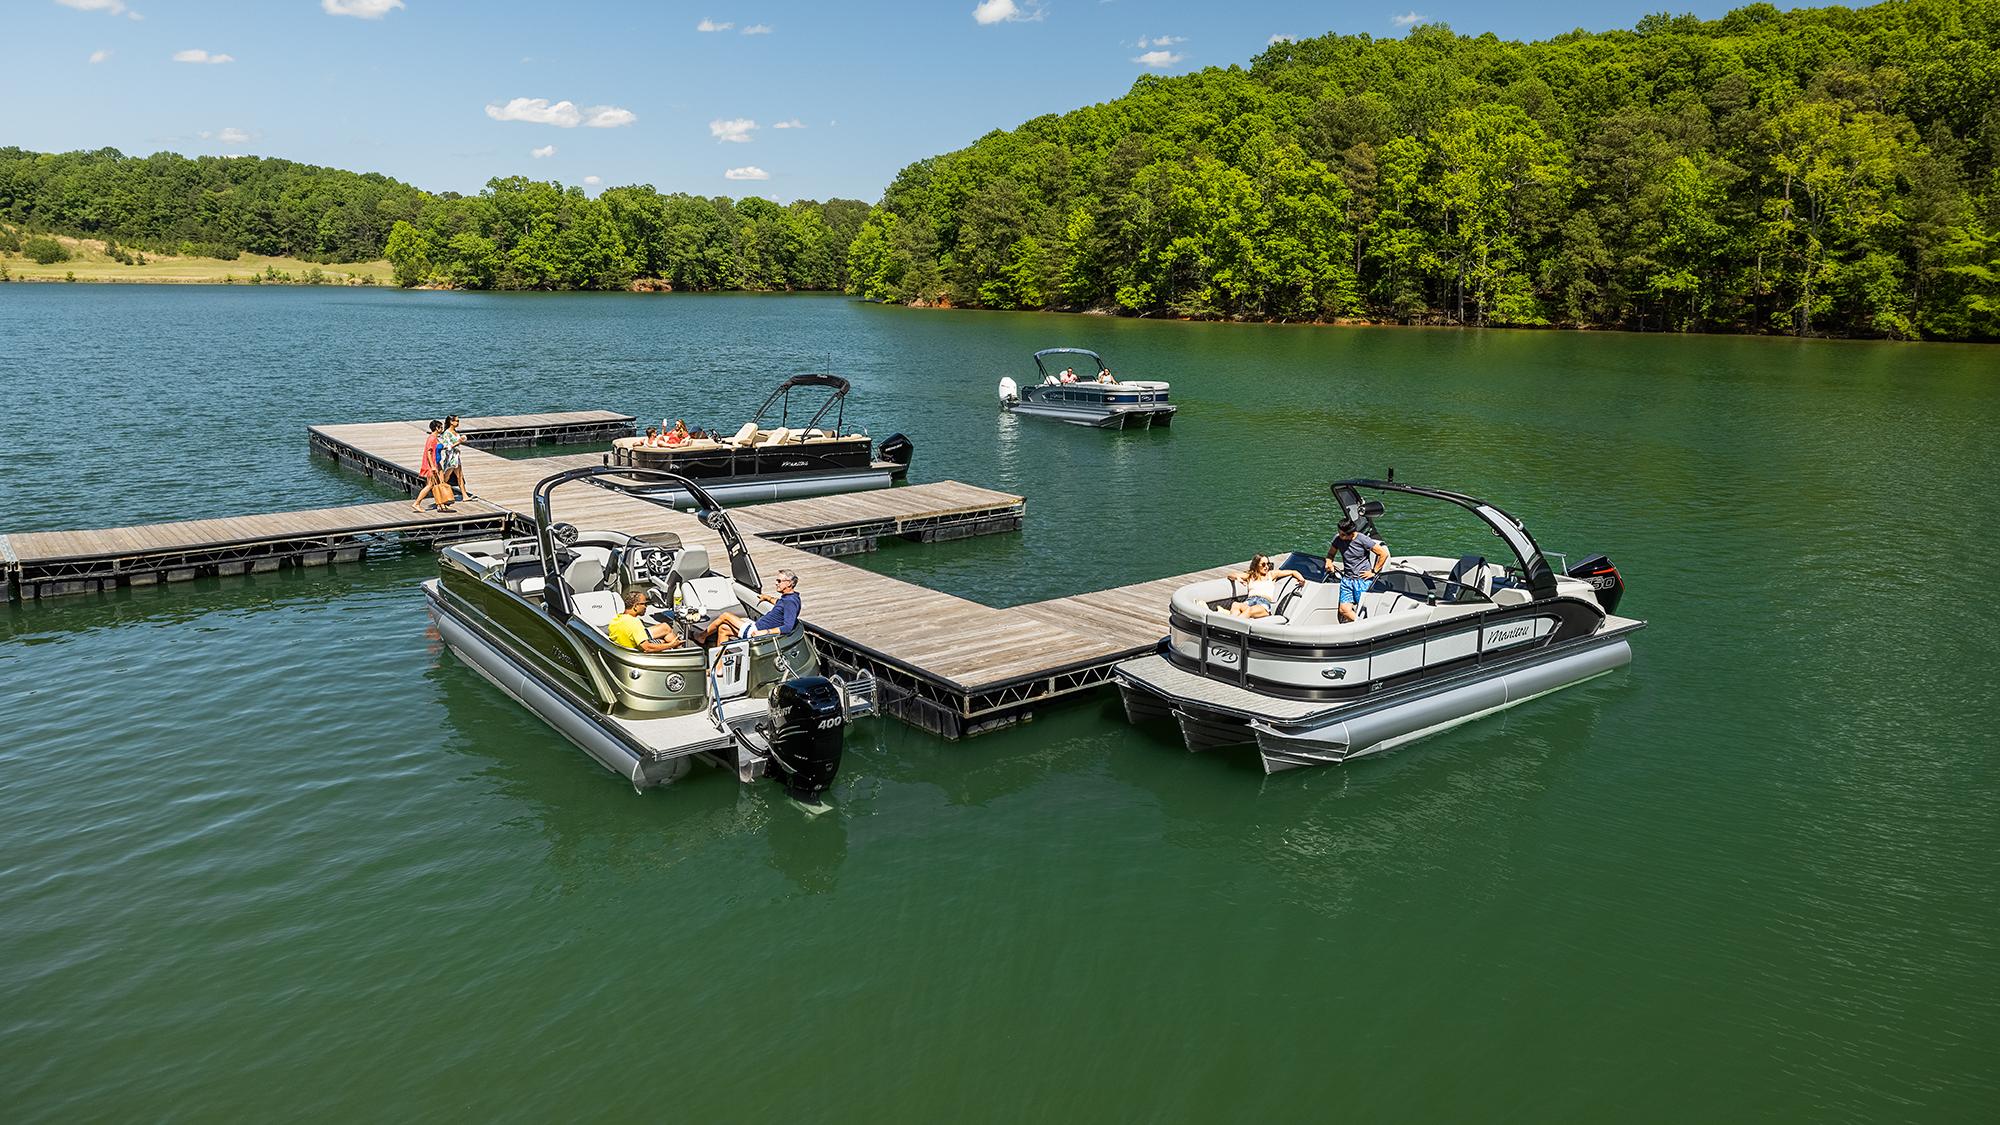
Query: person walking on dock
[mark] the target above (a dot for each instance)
(433, 477)
(450, 464)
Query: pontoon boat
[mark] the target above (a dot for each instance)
(774, 456)
(1084, 400)
(529, 614)
(1439, 641)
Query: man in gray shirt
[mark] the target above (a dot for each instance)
(1354, 559)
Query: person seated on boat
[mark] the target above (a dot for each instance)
(780, 618)
(651, 439)
(678, 435)
(1354, 559)
(628, 630)
(1068, 376)
(1260, 588)
(1104, 376)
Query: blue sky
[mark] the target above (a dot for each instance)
(716, 97)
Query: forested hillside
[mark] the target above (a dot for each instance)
(212, 206)
(517, 234)
(1814, 171)
(524, 234)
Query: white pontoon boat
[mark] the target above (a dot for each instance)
(1090, 398)
(1439, 641)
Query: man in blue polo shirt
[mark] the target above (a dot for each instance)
(780, 618)
(1354, 559)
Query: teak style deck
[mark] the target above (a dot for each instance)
(951, 665)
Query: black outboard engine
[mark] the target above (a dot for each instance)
(808, 729)
(1603, 578)
(899, 449)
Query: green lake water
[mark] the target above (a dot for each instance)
(268, 852)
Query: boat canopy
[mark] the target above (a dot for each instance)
(642, 483)
(783, 396)
(1541, 578)
(1090, 355)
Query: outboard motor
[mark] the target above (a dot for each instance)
(1010, 392)
(899, 449)
(1603, 578)
(808, 730)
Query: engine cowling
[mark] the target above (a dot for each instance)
(1604, 580)
(1010, 392)
(808, 731)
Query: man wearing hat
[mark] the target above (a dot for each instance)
(1354, 559)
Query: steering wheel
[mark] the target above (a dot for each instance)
(564, 534)
(648, 563)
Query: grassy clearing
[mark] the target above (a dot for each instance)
(89, 262)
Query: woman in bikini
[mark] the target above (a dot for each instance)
(1260, 588)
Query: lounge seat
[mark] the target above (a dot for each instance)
(597, 607)
(779, 436)
(744, 436)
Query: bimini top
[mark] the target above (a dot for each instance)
(838, 385)
(1092, 356)
(1541, 578)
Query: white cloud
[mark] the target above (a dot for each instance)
(707, 24)
(734, 131)
(229, 135)
(99, 56)
(1281, 37)
(542, 153)
(794, 123)
(1409, 19)
(758, 29)
(1004, 11)
(750, 173)
(108, 7)
(593, 181)
(562, 114)
(360, 9)
(1160, 41)
(197, 55)
(607, 117)
(1158, 59)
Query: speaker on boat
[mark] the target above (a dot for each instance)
(1603, 578)
(899, 449)
(807, 732)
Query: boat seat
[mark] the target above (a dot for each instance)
(779, 436)
(1476, 572)
(596, 607)
(744, 436)
(586, 572)
(533, 585)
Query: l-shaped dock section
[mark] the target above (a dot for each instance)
(953, 666)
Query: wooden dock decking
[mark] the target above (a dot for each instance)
(951, 665)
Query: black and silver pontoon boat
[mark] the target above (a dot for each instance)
(1089, 398)
(1439, 641)
(775, 456)
(529, 614)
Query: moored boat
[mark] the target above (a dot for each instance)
(530, 614)
(1092, 399)
(1438, 641)
(786, 450)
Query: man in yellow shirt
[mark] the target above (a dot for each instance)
(628, 631)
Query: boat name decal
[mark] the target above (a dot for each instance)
(1506, 633)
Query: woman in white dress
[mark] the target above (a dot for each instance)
(1260, 588)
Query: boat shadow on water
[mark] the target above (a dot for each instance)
(597, 825)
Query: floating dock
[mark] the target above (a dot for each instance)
(952, 666)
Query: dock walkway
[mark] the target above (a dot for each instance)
(952, 665)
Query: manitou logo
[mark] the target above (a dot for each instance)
(1334, 674)
(1222, 655)
(1507, 634)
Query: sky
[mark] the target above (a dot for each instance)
(789, 99)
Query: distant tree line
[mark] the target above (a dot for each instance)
(1815, 171)
(526, 234)
(517, 234)
(211, 206)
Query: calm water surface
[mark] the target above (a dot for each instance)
(269, 852)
